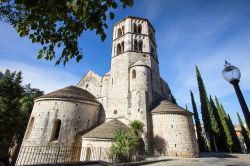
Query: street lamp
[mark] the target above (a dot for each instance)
(232, 74)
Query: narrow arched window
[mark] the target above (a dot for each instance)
(119, 32)
(134, 28)
(122, 47)
(133, 74)
(56, 130)
(123, 31)
(118, 51)
(139, 28)
(135, 45)
(140, 46)
(30, 128)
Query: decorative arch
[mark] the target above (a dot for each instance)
(118, 49)
(30, 128)
(140, 46)
(133, 74)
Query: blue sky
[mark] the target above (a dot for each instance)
(188, 33)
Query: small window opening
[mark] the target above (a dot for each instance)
(122, 47)
(135, 45)
(56, 130)
(139, 28)
(140, 46)
(135, 28)
(119, 32)
(118, 49)
(123, 31)
(133, 74)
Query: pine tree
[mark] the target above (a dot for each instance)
(205, 109)
(201, 141)
(244, 133)
(219, 134)
(227, 135)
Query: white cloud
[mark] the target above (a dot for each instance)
(47, 79)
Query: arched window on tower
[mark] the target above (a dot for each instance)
(133, 74)
(134, 28)
(56, 130)
(122, 47)
(123, 31)
(119, 32)
(118, 49)
(30, 128)
(140, 46)
(135, 46)
(139, 28)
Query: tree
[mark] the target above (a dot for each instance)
(219, 131)
(236, 143)
(201, 141)
(227, 136)
(204, 108)
(11, 92)
(56, 23)
(244, 133)
(127, 142)
(15, 107)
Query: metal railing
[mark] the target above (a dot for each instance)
(30, 155)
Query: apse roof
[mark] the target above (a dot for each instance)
(106, 130)
(167, 107)
(71, 92)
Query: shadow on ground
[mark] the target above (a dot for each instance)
(217, 155)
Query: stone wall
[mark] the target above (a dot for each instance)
(174, 135)
(76, 117)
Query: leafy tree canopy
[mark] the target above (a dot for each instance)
(59, 23)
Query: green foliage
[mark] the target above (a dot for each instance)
(201, 141)
(220, 135)
(244, 133)
(15, 106)
(56, 23)
(229, 135)
(127, 142)
(236, 143)
(204, 107)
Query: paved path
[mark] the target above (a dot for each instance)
(208, 159)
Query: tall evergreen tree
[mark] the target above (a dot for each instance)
(207, 116)
(244, 133)
(220, 133)
(227, 136)
(201, 141)
(236, 143)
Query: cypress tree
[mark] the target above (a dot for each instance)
(244, 133)
(201, 141)
(236, 143)
(205, 110)
(218, 132)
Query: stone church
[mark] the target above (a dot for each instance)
(88, 114)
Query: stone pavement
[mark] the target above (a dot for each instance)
(208, 159)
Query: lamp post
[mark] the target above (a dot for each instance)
(232, 74)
